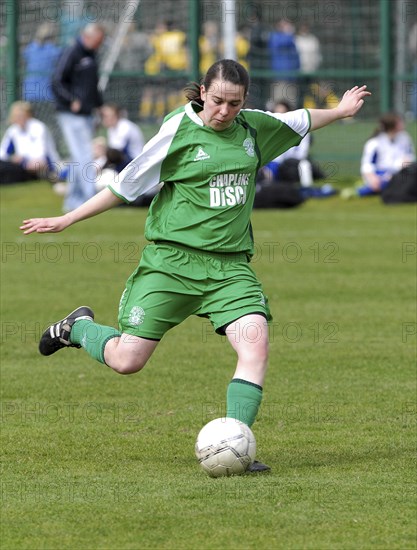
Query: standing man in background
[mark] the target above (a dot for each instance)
(75, 87)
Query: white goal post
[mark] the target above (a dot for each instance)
(110, 59)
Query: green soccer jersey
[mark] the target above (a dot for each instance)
(208, 177)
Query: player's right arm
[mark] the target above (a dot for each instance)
(99, 203)
(139, 176)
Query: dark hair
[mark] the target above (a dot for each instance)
(114, 156)
(387, 123)
(225, 69)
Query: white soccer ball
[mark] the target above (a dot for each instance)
(225, 447)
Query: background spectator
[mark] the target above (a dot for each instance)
(169, 56)
(387, 152)
(320, 95)
(105, 161)
(295, 165)
(122, 134)
(27, 150)
(125, 142)
(75, 86)
(284, 58)
(212, 45)
(135, 50)
(258, 58)
(40, 58)
(242, 45)
(308, 48)
(209, 45)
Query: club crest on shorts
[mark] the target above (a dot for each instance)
(136, 316)
(249, 147)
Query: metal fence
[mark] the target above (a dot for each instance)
(360, 41)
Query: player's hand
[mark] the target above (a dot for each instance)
(44, 225)
(373, 181)
(352, 101)
(16, 159)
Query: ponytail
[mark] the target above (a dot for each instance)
(192, 92)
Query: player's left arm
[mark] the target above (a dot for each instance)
(348, 106)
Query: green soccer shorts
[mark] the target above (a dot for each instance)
(173, 282)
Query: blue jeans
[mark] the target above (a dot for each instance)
(78, 134)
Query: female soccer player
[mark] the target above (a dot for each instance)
(207, 154)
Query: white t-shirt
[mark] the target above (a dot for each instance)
(33, 142)
(384, 154)
(308, 47)
(126, 137)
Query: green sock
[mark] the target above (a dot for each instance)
(243, 400)
(92, 337)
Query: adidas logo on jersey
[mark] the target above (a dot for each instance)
(201, 155)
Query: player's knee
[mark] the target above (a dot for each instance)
(255, 354)
(264, 354)
(261, 356)
(259, 347)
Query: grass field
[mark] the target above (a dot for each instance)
(95, 460)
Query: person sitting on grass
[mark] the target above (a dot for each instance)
(289, 179)
(123, 135)
(388, 151)
(27, 150)
(197, 263)
(295, 164)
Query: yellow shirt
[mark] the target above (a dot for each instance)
(170, 53)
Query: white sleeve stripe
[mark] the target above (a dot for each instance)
(298, 120)
(144, 172)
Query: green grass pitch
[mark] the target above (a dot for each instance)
(93, 460)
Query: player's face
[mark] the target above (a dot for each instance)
(93, 40)
(108, 117)
(19, 116)
(222, 102)
(400, 126)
